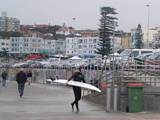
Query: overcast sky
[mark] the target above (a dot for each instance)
(87, 12)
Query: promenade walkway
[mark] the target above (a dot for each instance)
(44, 102)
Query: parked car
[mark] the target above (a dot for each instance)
(140, 59)
(128, 55)
(153, 61)
(135, 52)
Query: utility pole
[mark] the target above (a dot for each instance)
(147, 44)
(111, 93)
(74, 23)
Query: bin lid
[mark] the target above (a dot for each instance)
(135, 85)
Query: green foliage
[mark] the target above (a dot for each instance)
(139, 37)
(4, 54)
(106, 30)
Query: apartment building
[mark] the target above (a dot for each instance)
(26, 44)
(156, 40)
(81, 46)
(60, 46)
(49, 46)
(9, 23)
(126, 40)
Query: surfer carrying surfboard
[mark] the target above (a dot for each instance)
(77, 76)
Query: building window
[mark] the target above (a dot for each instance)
(33, 40)
(80, 41)
(94, 40)
(84, 46)
(80, 46)
(2, 43)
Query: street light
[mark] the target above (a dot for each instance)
(74, 23)
(148, 6)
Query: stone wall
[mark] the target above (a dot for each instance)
(151, 99)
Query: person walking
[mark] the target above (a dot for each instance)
(77, 76)
(29, 77)
(4, 76)
(21, 79)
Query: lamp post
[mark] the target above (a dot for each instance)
(113, 87)
(147, 45)
(74, 24)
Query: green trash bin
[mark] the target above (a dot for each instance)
(135, 97)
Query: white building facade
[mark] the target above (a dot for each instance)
(12, 24)
(81, 45)
(9, 23)
(149, 37)
(60, 46)
(116, 44)
(3, 24)
(26, 44)
(49, 46)
(156, 40)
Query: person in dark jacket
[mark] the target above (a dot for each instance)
(77, 76)
(21, 79)
(29, 77)
(4, 76)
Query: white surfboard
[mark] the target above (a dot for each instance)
(49, 80)
(79, 84)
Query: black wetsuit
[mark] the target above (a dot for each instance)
(77, 76)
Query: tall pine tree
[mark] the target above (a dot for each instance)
(138, 37)
(106, 30)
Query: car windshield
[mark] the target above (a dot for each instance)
(126, 53)
(154, 56)
(144, 56)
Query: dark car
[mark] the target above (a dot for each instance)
(140, 59)
(153, 61)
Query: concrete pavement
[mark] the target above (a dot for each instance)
(44, 102)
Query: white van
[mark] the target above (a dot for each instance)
(132, 53)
